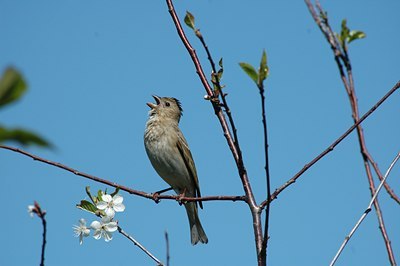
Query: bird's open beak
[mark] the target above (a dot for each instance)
(157, 99)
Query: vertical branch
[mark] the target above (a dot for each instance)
(35, 209)
(342, 58)
(254, 208)
(267, 210)
(44, 224)
(167, 247)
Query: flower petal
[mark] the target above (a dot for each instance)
(86, 232)
(97, 234)
(111, 227)
(109, 212)
(119, 207)
(96, 225)
(102, 205)
(80, 239)
(117, 199)
(106, 198)
(82, 222)
(107, 236)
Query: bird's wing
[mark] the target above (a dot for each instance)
(188, 159)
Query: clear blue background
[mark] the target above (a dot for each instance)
(92, 65)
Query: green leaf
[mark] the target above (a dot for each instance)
(12, 86)
(344, 33)
(23, 137)
(99, 195)
(189, 20)
(221, 70)
(355, 35)
(93, 199)
(250, 71)
(220, 63)
(87, 206)
(263, 71)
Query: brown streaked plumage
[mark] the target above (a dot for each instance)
(170, 156)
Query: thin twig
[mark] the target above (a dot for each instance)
(342, 56)
(167, 246)
(255, 210)
(368, 210)
(159, 263)
(41, 214)
(154, 196)
(331, 147)
(219, 88)
(267, 175)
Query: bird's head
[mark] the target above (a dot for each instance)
(166, 107)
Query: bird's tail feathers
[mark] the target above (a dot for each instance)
(197, 233)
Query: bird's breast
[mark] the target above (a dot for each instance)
(161, 147)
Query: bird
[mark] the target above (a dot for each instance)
(170, 156)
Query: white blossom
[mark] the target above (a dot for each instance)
(30, 210)
(110, 205)
(81, 230)
(104, 228)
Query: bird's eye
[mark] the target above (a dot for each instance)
(167, 104)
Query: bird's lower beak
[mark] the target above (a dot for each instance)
(157, 99)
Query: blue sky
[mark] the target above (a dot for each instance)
(92, 65)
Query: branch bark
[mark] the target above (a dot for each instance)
(153, 196)
(344, 65)
(331, 147)
(234, 147)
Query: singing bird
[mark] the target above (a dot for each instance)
(170, 156)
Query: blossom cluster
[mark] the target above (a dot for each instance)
(105, 207)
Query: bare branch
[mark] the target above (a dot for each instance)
(332, 146)
(255, 211)
(36, 209)
(167, 247)
(341, 56)
(368, 210)
(153, 196)
(148, 253)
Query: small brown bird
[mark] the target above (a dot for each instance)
(170, 156)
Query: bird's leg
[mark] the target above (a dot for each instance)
(180, 196)
(157, 193)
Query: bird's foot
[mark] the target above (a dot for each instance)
(156, 194)
(181, 196)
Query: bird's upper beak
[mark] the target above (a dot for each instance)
(157, 99)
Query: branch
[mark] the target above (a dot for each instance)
(219, 88)
(340, 51)
(368, 210)
(154, 196)
(331, 147)
(255, 211)
(159, 263)
(341, 55)
(167, 247)
(41, 214)
(267, 174)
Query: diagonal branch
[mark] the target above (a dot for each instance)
(220, 92)
(331, 147)
(368, 210)
(140, 246)
(342, 58)
(154, 196)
